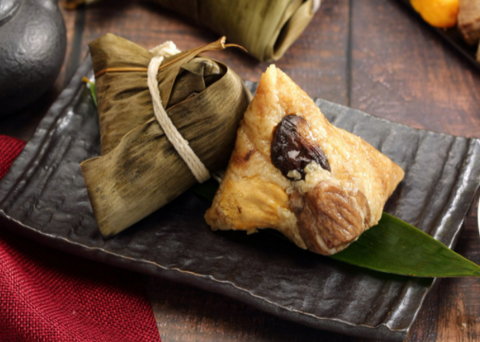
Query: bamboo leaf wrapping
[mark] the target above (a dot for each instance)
(139, 171)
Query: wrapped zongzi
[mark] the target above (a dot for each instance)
(265, 28)
(139, 169)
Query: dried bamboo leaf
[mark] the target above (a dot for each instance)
(139, 171)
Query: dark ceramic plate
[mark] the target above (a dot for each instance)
(454, 38)
(44, 198)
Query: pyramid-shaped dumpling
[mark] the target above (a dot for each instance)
(293, 171)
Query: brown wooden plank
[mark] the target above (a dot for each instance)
(403, 71)
(185, 313)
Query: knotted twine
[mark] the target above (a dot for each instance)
(194, 163)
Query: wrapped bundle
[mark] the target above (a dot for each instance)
(265, 28)
(139, 169)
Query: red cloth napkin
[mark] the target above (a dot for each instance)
(47, 295)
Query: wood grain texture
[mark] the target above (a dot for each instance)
(185, 313)
(403, 72)
(373, 55)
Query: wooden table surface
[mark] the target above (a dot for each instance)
(373, 55)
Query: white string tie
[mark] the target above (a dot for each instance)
(316, 5)
(194, 163)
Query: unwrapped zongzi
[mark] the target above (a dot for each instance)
(139, 170)
(293, 171)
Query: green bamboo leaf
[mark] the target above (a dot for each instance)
(91, 85)
(94, 94)
(393, 246)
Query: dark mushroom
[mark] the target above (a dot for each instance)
(293, 147)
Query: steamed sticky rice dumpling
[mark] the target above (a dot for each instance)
(139, 170)
(293, 171)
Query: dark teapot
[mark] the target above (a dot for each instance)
(32, 49)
